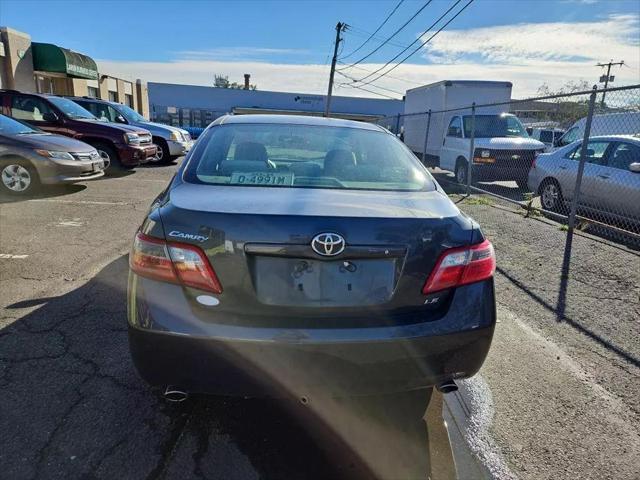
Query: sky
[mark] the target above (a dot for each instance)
(287, 45)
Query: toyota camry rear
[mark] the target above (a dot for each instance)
(291, 255)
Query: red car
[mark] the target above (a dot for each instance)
(118, 145)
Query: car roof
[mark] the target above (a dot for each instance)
(629, 137)
(87, 99)
(295, 120)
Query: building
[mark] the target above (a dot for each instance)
(46, 68)
(197, 106)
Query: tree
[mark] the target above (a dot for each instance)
(568, 106)
(222, 81)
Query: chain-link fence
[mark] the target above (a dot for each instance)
(574, 157)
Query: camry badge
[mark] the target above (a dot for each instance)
(328, 244)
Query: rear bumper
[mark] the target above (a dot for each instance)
(172, 346)
(282, 369)
(131, 155)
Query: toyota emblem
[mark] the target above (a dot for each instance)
(328, 244)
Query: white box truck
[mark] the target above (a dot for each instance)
(502, 147)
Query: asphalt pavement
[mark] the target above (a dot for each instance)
(72, 405)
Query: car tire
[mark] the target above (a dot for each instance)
(461, 171)
(551, 196)
(110, 156)
(18, 177)
(163, 156)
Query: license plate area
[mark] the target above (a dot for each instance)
(302, 282)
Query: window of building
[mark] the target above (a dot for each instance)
(113, 96)
(128, 100)
(44, 84)
(93, 89)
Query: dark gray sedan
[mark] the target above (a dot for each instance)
(295, 255)
(30, 157)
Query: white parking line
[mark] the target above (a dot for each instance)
(80, 202)
(69, 223)
(11, 256)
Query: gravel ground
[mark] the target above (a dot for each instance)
(563, 377)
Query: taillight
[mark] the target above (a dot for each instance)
(173, 262)
(461, 266)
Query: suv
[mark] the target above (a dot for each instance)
(172, 142)
(121, 145)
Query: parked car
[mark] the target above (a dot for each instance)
(172, 142)
(610, 186)
(120, 145)
(548, 136)
(330, 261)
(30, 157)
(605, 124)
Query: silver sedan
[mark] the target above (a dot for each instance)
(610, 187)
(30, 157)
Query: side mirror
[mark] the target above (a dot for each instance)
(120, 119)
(635, 167)
(49, 117)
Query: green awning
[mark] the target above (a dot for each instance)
(51, 58)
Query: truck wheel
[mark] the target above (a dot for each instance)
(18, 177)
(461, 171)
(163, 156)
(551, 196)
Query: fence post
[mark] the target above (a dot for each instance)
(583, 155)
(426, 137)
(397, 124)
(561, 304)
(472, 146)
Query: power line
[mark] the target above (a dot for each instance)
(419, 46)
(376, 86)
(358, 67)
(377, 29)
(358, 32)
(392, 35)
(371, 91)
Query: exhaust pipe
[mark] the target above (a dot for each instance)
(448, 386)
(174, 394)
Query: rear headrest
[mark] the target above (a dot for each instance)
(250, 151)
(337, 162)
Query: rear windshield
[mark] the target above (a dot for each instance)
(279, 155)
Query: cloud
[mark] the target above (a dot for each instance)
(236, 53)
(531, 43)
(526, 54)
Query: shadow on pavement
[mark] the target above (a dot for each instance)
(45, 191)
(72, 406)
(624, 355)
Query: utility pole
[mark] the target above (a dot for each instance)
(607, 78)
(340, 27)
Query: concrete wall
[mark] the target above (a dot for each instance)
(224, 100)
(18, 60)
(78, 87)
